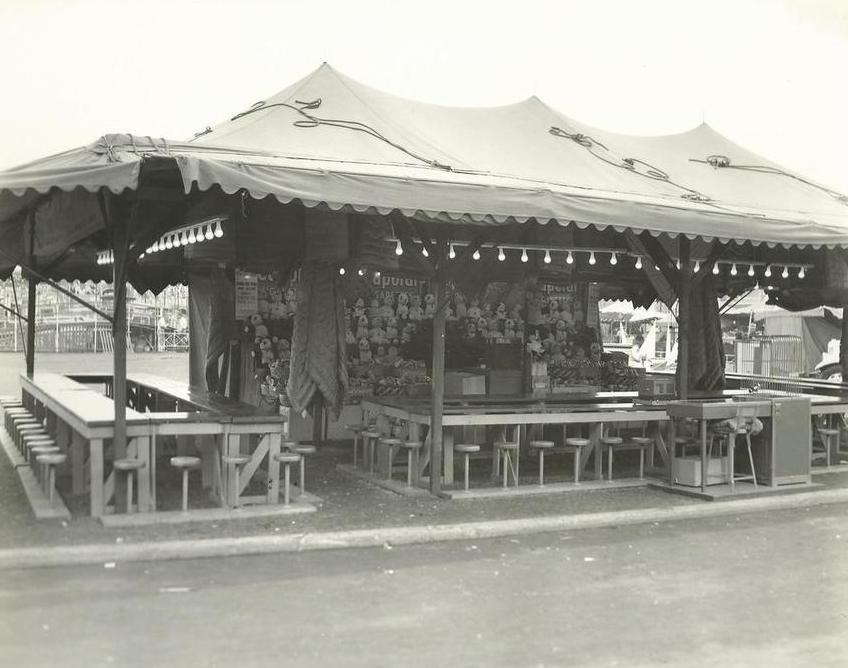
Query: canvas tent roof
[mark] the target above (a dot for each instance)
(329, 139)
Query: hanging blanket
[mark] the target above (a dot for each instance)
(318, 354)
(706, 350)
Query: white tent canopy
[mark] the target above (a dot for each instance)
(329, 139)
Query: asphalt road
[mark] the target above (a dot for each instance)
(758, 590)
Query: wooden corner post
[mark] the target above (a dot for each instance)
(436, 444)
(32, 298)
(684, 296)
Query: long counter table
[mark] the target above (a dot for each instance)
(595, 410)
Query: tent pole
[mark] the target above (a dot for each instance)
(843, 343)
(439, 318)
(683, 308)
(32, 297)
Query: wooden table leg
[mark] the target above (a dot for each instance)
(143, 453)
(95, 462)
(274, 467)
(447, 453)
(672, 435)
(77, 463)
(704, 462)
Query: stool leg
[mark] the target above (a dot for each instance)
(641, 463)
(576, 465)
(731, 452)
(609, 464)
(51, 476)
(751, 460)
(466, 471)
(409, 468)
(541, 467)
(236, 487)
(302, 475)
(390, 456)
(372, 442)
(286, 482)
(505, 454)
(355, 447)
(129, 492)
(185, 490)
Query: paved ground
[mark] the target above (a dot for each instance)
(759, 590)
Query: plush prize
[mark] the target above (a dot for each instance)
(362, 327)
(257, 325)
(416, 313)
(459, 305)
(266, 350)
(509, 328)
(284, 349)
(501, 311)
(364, 351)
(391, 328)
(474, 311)
(471, 329)
(429, 305)
(403, 311)
(359, 308)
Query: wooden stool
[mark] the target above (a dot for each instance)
(130, 466)
(238, 462)
(32, 440)
(541, 446)
(390, 443)
(51, 461)
(505, 450)
(369, 440)
(410, 447)
(304, 450)
(609, 442)
(185, 464)
(466, 449)
(357, 430)
(578, 444)
(38, 451)
(287, 459)
(826, 435)
(27, 429)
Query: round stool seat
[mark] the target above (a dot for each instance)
(29, 427)
(612, 440)
(305, 449)
(682, 440)
(578, 442)
(289, 445)
(542, 445)
(642, 440)
(45, 450)
(128, 464)
(287, 457)
(414, 445)
(506, 445)
(52, 458)
(356, 428)
(31, 436)
(829, 432)
(238, 460)
(466, 447)
(24, 419)
(390, 441)
(16, 410)
(36, 442)
(185, 462)
(371, 433)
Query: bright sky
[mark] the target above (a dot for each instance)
(771, 75)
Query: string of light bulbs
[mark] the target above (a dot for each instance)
(206, 230)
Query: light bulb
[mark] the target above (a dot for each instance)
(191, 238)
(209, 233)
(801, 273)
(377, 274)
(219, 232)
(341, 271)
(424, 251)
(451, 252)
(155, 247)
(638, 261)
(168, 243)
(524, 257)
(184, 239)
(767, 272)
(361, 272)
(715, 269)
(175, 240)
(141, 257)
(501, 255)
(697, 266)
(613, 260)
(547, 257)
(785, 273)
(149, 250)
(476, 254)
(399, 248)
(592, 259)
(733, 270)
(677, 264)
(569, 259)
(751, 270)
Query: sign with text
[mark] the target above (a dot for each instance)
(247, 294)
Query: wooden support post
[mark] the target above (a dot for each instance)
(438, 377)
(32, 297)
(683, 306)
(843, 346)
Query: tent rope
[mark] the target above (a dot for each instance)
(723, 162)
(312, 121)
(633, 165)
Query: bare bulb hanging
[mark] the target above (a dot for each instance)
(168, 243)
(547, 257)
(592, 259)
(638, 262)
(361, 272)
(501, 255)
(715, 269)
(524, 257)
(341, 271)
(155, 246)
(209, 233)
(424, 251)
(218, 231)
(613, 260)
(569, 259)
(751, 270)
(476, 254)
(451, 252)
(767, 272)
(801, 273)
(192, 239)
(733, 270)
(697, 266)
(184, 238)
(785, 273)
(399, 248)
